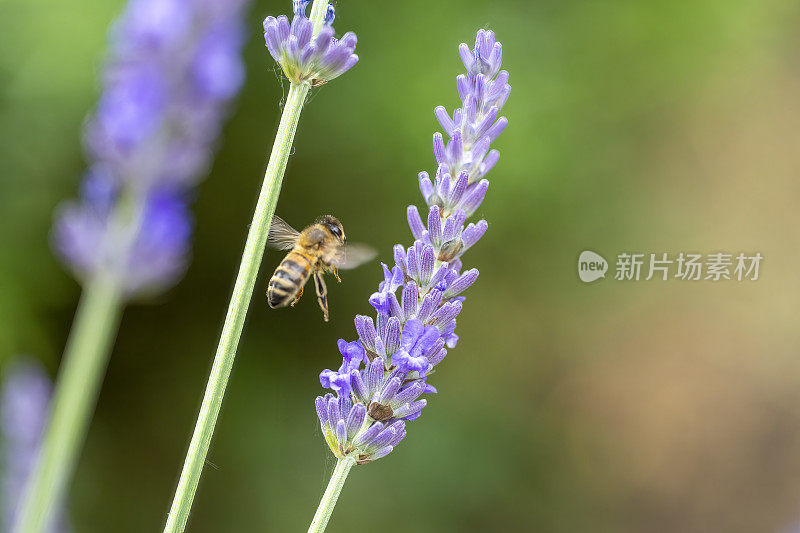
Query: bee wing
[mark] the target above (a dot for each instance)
(281, 235)
(352, 255)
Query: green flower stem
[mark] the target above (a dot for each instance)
(318, 11)
(240, 299)
(237, 312)
(85, 359)
(328, 502)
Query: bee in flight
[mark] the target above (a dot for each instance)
(318, 249)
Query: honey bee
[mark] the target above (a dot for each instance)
(318, 249)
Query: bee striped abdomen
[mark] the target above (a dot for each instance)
(288, 279)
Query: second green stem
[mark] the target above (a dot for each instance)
(80, 377)
(237, 311)
(328, 502)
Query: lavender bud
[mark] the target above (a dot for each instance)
(304, 58)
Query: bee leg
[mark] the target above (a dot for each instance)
(336, 274)
(322, 294)
(296, 298)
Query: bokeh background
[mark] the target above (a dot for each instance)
(634, 126)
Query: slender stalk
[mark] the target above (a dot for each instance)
(237, 312)
(328, 501)
(240, 299)
(318, 11)
(85, 359)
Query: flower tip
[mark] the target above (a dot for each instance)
(497, 51)
(330, 14)
(349, 40)
(466, 55)
(415, 221)
(342, 344)
(325, 378)
(299, 7)
(444, 119)
(484, 40)
(438, 148)
(350, 63)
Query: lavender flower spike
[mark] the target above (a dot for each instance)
(377, 388)
(171, 70)
(383, 374)
(303, 57)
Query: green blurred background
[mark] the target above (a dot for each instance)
(634, 126)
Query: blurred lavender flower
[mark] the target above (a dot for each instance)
(385, 371)
(317, 59)
(24, 401)
(172, 68)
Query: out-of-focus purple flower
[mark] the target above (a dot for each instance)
(172, 68)
(304, 56)
(24, 402)
(421, 296)
(217, 68)
(142, 261)
(155, 23)
(130, 109)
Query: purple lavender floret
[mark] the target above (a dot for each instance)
(24, 402)
(349, 431)
(353, 354)
(172, 69)
(386, 371)
(393, 279)
(303, 56)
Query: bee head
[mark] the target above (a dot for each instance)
(335, 227)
